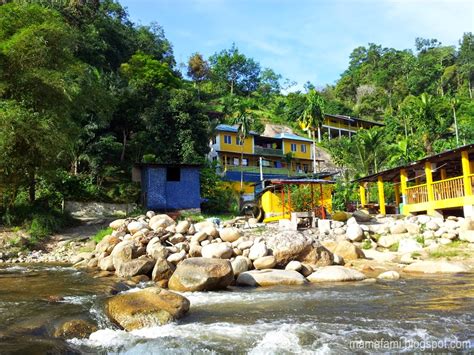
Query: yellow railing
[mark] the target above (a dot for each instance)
(448, 188)
(472, 182)
(417, 194)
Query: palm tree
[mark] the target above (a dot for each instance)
(453, 102)
(312, 118)
(243, 120)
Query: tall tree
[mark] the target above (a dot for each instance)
(312, 118)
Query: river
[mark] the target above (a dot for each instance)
(411, 313)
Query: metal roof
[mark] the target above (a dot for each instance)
(393, 173)
(353, 119)
(229, 128)
(292, 136)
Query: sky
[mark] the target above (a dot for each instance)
(303, 40)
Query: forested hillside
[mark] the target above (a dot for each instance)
(85, 93)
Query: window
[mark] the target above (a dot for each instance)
(303, 148)
(173, 174)
(305, 168)
(236, 161)
(245, 162)
(239, 141)
(293, 147)
(214, 140)
(227, 139)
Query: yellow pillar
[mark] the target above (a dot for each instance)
(466, 171)
(381, 195)
(443, 174)
(363, 196)
(429, 188)
(403, 187)
(397, 193)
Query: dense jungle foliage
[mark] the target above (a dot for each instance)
(85, 93)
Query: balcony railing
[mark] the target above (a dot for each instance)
(266, 170)
(268, 151)
(417, 194)
(448, 188)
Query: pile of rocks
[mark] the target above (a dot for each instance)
(200, 256)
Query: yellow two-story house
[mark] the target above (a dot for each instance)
(258, 156)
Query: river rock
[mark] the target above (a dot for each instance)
(229, 234)
(341, 216)
(156, 250)
(316, 255)
(432, 225)
(160, 221)
(434, 267)
(412, 228)
(344, 249)
(294, 265)
(361, 216)
(287, 246)
(355, 233)
(177, 257)
(177, 238)
(408, 246)
(270, 277)
(202, 274)
(335, 274)
(389, 275)
(140, 266)
(146, 308)
(467, 235)
(202, 225)
(107, 264)
(265, 262)
(122, 252)
(380, 256)
(387, 241)
(183, 227)
(398, 228)
(162, 270)
(240, 264)
(107, 244)
(211, 231)
(117, 224)
(76, 328)
(135, 226)
(199, 237)
(246, 244)
(258, 250)
(217, 250)
(195, 250)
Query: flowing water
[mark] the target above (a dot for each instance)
(411, 313)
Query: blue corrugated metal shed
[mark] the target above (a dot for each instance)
(170, 187)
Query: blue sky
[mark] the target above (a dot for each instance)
(303, 40)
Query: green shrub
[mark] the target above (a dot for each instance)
(420, 239)
(366, 244)
(394, 247)
(101, 234)
(43, 224)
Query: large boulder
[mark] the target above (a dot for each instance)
(146, 308)
(106, 264)
(140, 266)
(135, 226)
(344, 249)
(335, 274)
(398, 228)
(201, 274)
(292, 245)
(316, 255)
(229, 234)
(434, 267)
(270, 277)
(355, 233)
(217, 250)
